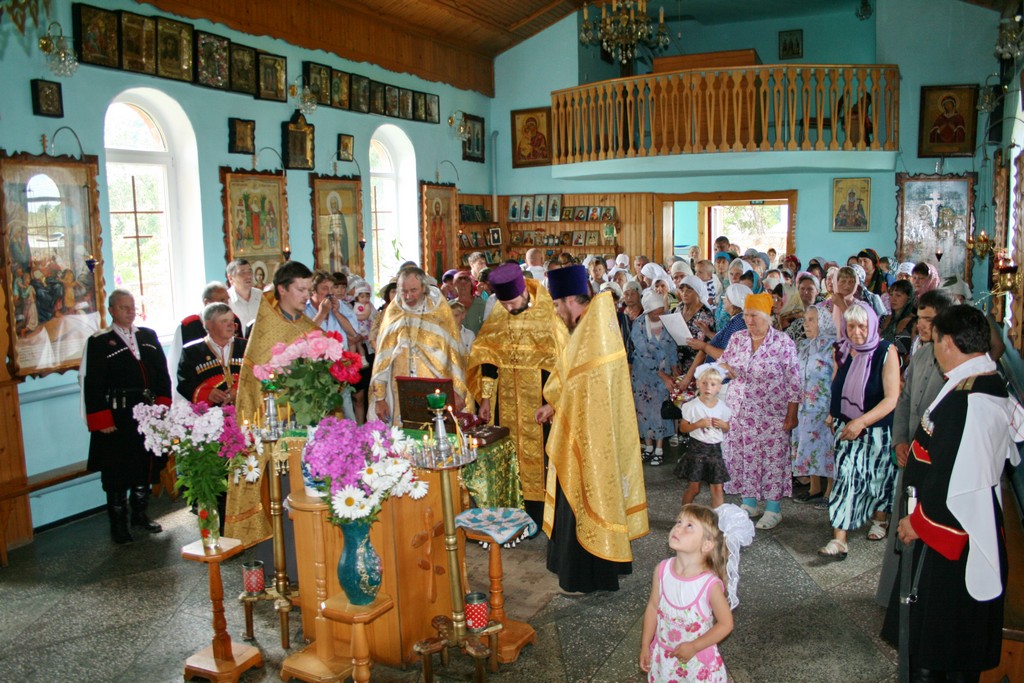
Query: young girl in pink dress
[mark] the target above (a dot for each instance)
(688, 613)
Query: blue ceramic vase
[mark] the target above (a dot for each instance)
(359, 566)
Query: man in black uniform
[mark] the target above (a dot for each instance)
(959, 554)
(124, 366)
(209, 366)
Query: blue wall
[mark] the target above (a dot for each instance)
(685, 218)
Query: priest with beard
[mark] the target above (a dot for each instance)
(594, 500)
(515, 351)
(418, 337)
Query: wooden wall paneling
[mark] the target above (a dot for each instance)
(12, 447)
(349, 32)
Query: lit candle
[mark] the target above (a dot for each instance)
(938, 250)
(604, 10)
(585, 12)
(661, 14)
(983, 236)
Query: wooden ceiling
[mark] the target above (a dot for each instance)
(454, 41)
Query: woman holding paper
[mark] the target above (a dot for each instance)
(654, 362)
(699, 319)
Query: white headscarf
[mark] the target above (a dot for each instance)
(651, 300)
(622, 260)
(652, 271)
(697, 285)
(737, 294)
(681, 267)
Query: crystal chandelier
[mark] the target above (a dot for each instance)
(1010, 44)
(623, 29)
(305, 100)
(458, 122)
(60, 56)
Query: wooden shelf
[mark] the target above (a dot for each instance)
(511, 226)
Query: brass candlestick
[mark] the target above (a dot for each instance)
(441, 455)
(281, 591)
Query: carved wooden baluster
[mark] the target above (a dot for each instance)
(819, 107)
(710, 109)
(791, 94)
(805, 76)
(845, 113)
(894, 109)
(778, 96)
(834, 107)
(644, 114)
(686, 86)
(870, 110)
(763, 102)
(630, 105)
(1017, 306)
(861, 103)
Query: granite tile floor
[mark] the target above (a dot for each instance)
(77, 608)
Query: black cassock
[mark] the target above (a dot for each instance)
(115, 382)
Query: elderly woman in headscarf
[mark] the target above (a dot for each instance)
(662, 284)
(697, 316)
(631, 304)
(828, 283)
(653, 365)
(764, 396)
(904, 271)
(865, 390)
(813, 447)
(865, 294)
(736, 269)
(734, 297)
(808, 295)
(651, 272)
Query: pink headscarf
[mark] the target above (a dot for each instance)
(933, 280)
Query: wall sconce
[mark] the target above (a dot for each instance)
(458, 121)
(988, 99)
(305, 99)
(1006, 276)
(981, 245)
(60, 56)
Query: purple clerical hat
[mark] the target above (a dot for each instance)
(507, 281)
(568, 281)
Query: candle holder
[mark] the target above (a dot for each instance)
(439, 453)
(280, 591)
(938, 254)
(981, 245)
(1006, 275)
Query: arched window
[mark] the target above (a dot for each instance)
(393, 206)
(153, 190)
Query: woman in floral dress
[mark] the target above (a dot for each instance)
(764, 396)
(654, 357)
(813, 448)
(698, 317)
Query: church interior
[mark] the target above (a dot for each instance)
(157, 141)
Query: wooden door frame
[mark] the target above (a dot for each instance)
(668, 241)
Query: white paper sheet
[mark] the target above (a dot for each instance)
(676, 327)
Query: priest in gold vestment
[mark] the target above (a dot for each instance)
(418, 338)
(516, 349)
(594, 502)
(280, 319)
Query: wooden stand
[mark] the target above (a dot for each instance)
(514, 635)
(340, 609)
(223, 660)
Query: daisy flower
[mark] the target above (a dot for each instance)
(418, 489)
(251, 467)
(347, 502)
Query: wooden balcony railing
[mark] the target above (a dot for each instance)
(763, 108)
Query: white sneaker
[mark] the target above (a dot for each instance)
(673, 440)
(769, 520)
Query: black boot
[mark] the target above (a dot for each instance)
(140, 502)
(117, 510)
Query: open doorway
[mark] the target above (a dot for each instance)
(749, 219)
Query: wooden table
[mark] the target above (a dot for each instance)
(223, 660)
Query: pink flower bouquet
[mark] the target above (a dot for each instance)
(311, 373)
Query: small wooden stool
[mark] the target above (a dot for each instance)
(223, 660)
(514, 523)
(338, 608)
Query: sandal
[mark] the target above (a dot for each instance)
(807, 496)
(878, 531)
(646, 454)
(751, 510)
(834, 550)
(657, 458)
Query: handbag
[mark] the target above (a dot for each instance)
(670, 411)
